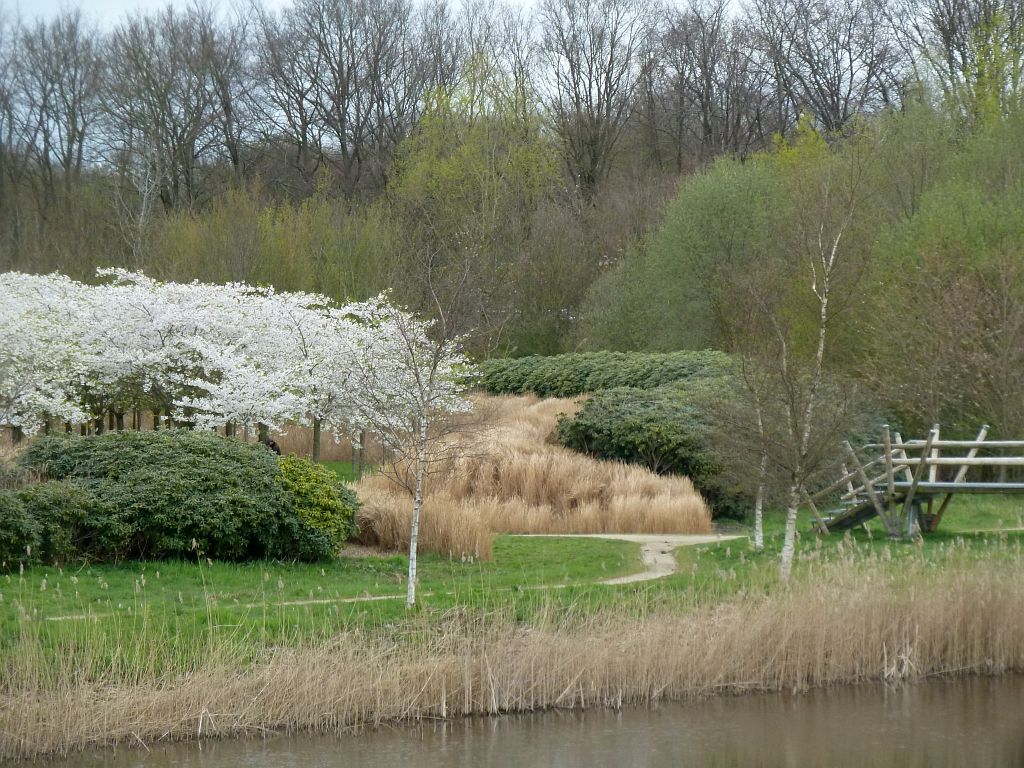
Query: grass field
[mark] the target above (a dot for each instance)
(182, 650)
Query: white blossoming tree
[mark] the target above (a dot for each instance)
(408, 386)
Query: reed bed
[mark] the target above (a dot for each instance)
(847, 620)
(513, 479)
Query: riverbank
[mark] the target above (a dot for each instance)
(856, 611)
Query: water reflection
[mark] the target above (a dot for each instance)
(970, 722)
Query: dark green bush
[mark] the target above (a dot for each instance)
(321, 501)
(19, 533)
(174, 493)
(575, 374)
(661, 429)
(76, 518)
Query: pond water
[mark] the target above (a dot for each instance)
(964, 722)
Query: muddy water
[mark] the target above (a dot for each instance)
(970, 722)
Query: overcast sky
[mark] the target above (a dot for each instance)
(106, 12)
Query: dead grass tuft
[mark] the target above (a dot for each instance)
(521, 482)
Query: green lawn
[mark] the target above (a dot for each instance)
(344, 471)
(284, 600)
(174, 612)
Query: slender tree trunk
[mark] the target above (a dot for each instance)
(156, 419)
(119, 421)
(417, 505)
(82, 430)
(111, 421)
(362, 454)
(98, 422)
(759, 512)
(789, 542)
(316, 440)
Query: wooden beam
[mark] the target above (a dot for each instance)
(964, 461)
(889, 478)
(868, 488)
(919, 472)
(947, 487)
(849, 481)
(933, 469)
(903, 456)
(954, 443)
(961, 475)
(822, 527)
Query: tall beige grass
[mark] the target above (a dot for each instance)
(855, 624)
(513, 479)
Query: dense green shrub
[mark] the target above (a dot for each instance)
(76, 518)
(661, 429)
(172, 493)
(19, 533)
(575, 374)
(321, 501)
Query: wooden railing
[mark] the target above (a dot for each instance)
(892, 485)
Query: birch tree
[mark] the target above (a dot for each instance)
(409, 386)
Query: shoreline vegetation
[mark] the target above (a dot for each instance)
(856, 610)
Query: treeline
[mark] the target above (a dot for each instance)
(900, 250)
(485, 163)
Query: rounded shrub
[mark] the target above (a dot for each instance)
(19, 533)
(76, 518)
(661, 429)
(171, 494)
(321, 501)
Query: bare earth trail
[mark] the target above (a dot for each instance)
(655, 550)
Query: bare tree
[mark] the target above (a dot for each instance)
(973, 49)
(157, 102)
(832, 60)
(60, 80)
(716, 93)
(591, 54)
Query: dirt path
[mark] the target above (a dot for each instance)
(655, 550)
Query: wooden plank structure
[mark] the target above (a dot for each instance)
(902, 484)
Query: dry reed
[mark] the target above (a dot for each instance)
(863, 625)
(523, 483)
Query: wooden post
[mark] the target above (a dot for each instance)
(903, 455)
(866, 482)
(961, 474)
(849, 483)
(919, 471)
(889, 479)
(822, 527)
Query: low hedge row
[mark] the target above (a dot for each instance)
(574, 374)
(661, 429)
(169, 494)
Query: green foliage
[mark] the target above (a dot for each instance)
(171, 494)
(575, 374)
(661, 429)
(321, 501)
(19, 533)
(663, 296)
(76, 520)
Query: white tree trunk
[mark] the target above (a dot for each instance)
(789, 542)
(417, 505)
(759, 516)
